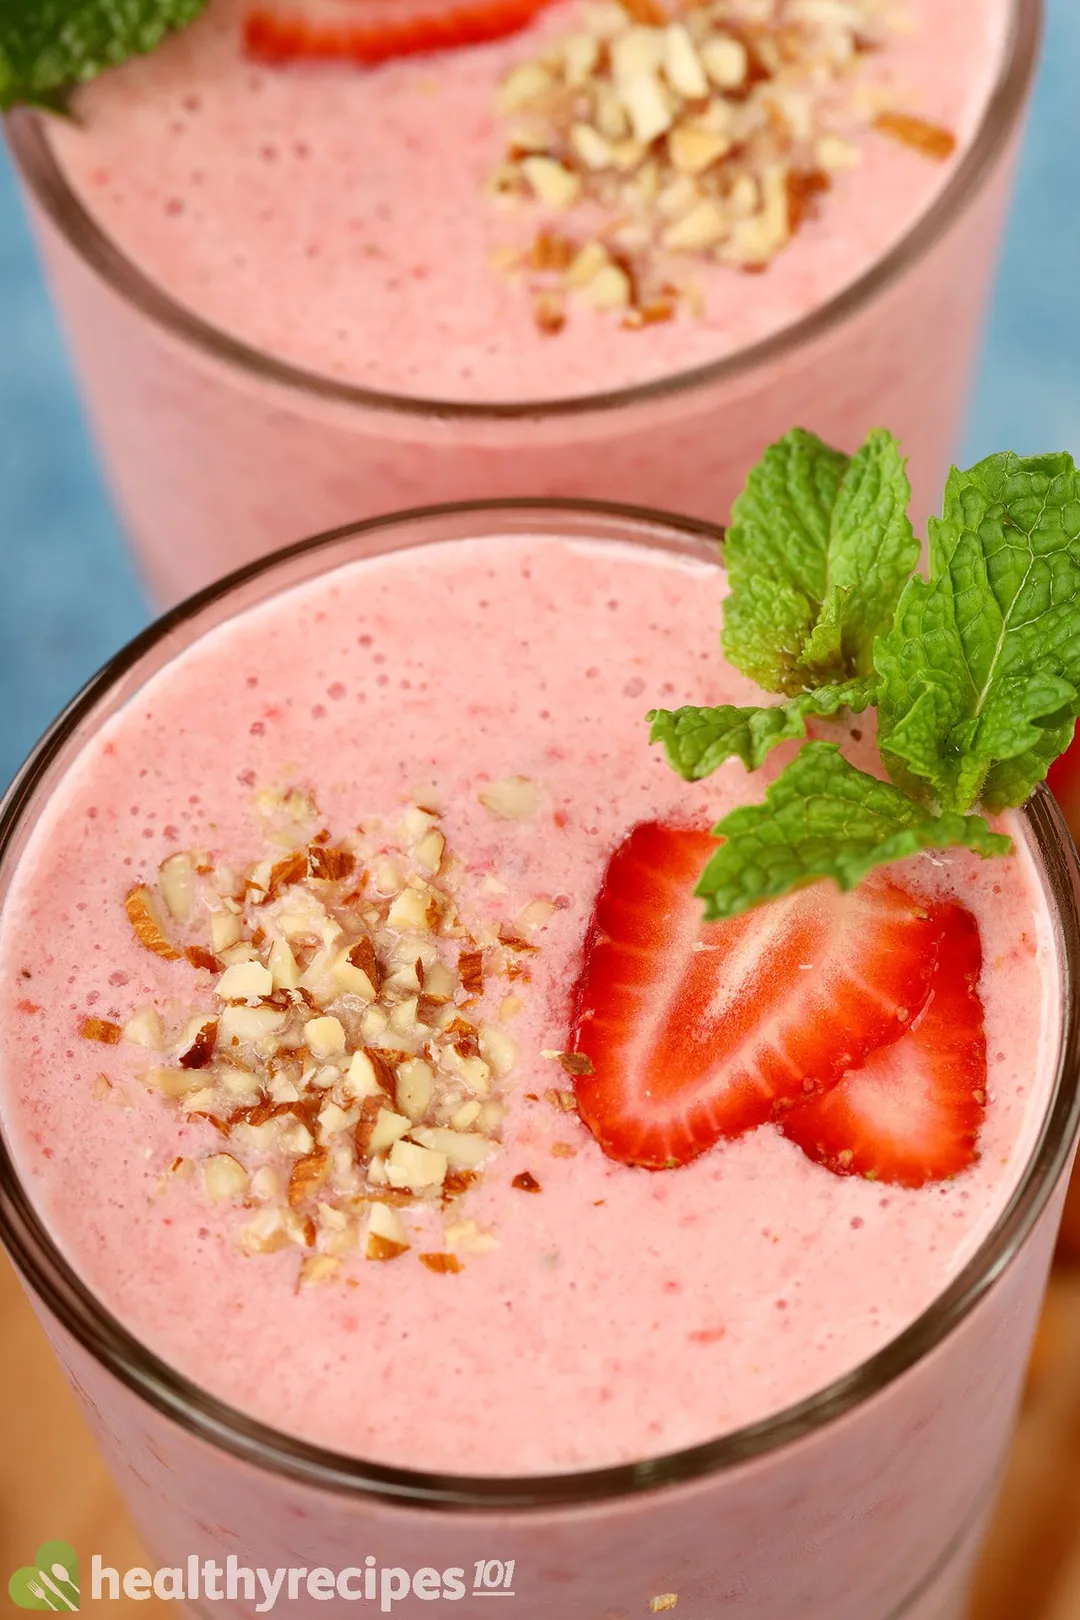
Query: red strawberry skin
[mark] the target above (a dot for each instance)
(367, 34)
(698, 1032)
(912, 1113)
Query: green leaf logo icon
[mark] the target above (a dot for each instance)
(51, 1582)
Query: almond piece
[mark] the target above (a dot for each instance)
(497, 1049)
(513, 798)
(144, 919)
(609, 289)
(325, 1038)
(692, 150)
(468, 1236)
(224, 1178)
(726, 61)
(589, 146)
(283, 966)
(361, 1078)
(525, 1181)
(410, 912)
(410, 1165)
(930, 139)
(440, 1263)
(414, 1087)
(245, 981)
(101, 1029)
(553, 185)
(386, 1235)
(307, 1176)
(523, 85)
(172, 1082)
(259, 1025)
(439, 983)
(429, 851)
(225, 930)
(703, 227)
(199, 1051)
(463, 1150)
(144, 1028)
(317, 1268)
(264, 1233)
(648, 106)
(588, 263)
(389, 1127)
(682, 65)
(177, 883)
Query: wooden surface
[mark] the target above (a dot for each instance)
(53, 1484)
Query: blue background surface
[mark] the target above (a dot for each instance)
(68, 597)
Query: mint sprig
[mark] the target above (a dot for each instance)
(698, 741)
(980, 674)
(975, 669)
(823, 818)
(818, 551)
(48, 46)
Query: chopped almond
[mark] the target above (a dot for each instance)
(471, 972)
(225, 1178)
(564, 1101)
(149, 931)
(177, 882)
(204, 960)
(201, 1050)
(308, 1175)
(930, 139)
(101, 1029)
(525, 1181)
(514, 798)
(317, 1268)
(440, 1263)
(331, 865)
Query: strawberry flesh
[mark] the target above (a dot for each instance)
(699, 1032)
(374, 31)
(912, 1113)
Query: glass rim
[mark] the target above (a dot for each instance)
(57, 1286)
(45, 179)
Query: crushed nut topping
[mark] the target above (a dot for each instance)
(341, 1053)
(702, 128)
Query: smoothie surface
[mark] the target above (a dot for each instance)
(624, 1313)
(337, 218)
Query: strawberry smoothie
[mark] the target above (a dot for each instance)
(295, 293)
(801, 1381)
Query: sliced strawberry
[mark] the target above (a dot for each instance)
(697, 1032)
(367, 32)
(912, 1113)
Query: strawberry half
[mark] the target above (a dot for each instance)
(912, 1113)
(367, 32)
(701, 1031)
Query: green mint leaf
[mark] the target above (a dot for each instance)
(817, 554)
(698, 741)
(775, 553)
(980, 673)
(872, 549)
(823, 818)
(46, 46)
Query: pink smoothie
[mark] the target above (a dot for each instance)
(240, 253)
(337, 219)
(622, 1314)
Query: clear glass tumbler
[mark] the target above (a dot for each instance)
(217, 452)
(865, 1502)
